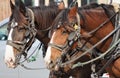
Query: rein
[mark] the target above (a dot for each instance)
(28, 68)
(101, 25)
(59, 47)
(73, 37)
(97, 58)
(96, 29)
(102, 55)
(47, 29)
(29, 60)
(33, 58)
(89, 50)
(72, 60)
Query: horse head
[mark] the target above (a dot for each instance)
(65, 33)
(71, 34)
(21, 33)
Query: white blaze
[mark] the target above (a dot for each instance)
(48, 53)
(9, 54)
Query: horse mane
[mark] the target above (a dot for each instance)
(60, 19)
(17, 16)
(109, 10)
(44, 15)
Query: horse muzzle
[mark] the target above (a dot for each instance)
(10, 63)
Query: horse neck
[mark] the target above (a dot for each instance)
(44, 16)
(95, 11)
(93, 18)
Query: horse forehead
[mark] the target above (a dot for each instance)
(19, 18)
(59, 37)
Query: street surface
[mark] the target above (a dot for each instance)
(21, 72)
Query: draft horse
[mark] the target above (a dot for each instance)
(26, 24)
(84, 35)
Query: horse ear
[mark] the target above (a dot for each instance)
(12, 5)
(21, 6)
(73, 10)
(61, 5)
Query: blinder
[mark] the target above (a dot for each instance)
(72, 38)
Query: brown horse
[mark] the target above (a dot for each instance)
(78, 31)
(26, 24)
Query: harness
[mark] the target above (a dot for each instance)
(74, 37)
(24, 46)
(111, 54)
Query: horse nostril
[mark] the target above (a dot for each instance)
(51, 62)
(11, 60)
(51, 65)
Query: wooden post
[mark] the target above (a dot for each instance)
(79, 3)
(46, 2)
(5, 10)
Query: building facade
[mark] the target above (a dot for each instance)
(5, 9)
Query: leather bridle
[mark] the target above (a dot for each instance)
(65, 48)
(73, 37)
(23, 46)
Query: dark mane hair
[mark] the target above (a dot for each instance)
(89, 6)
(61, 18)
(42, 14)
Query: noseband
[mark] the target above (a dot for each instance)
(23, 46)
